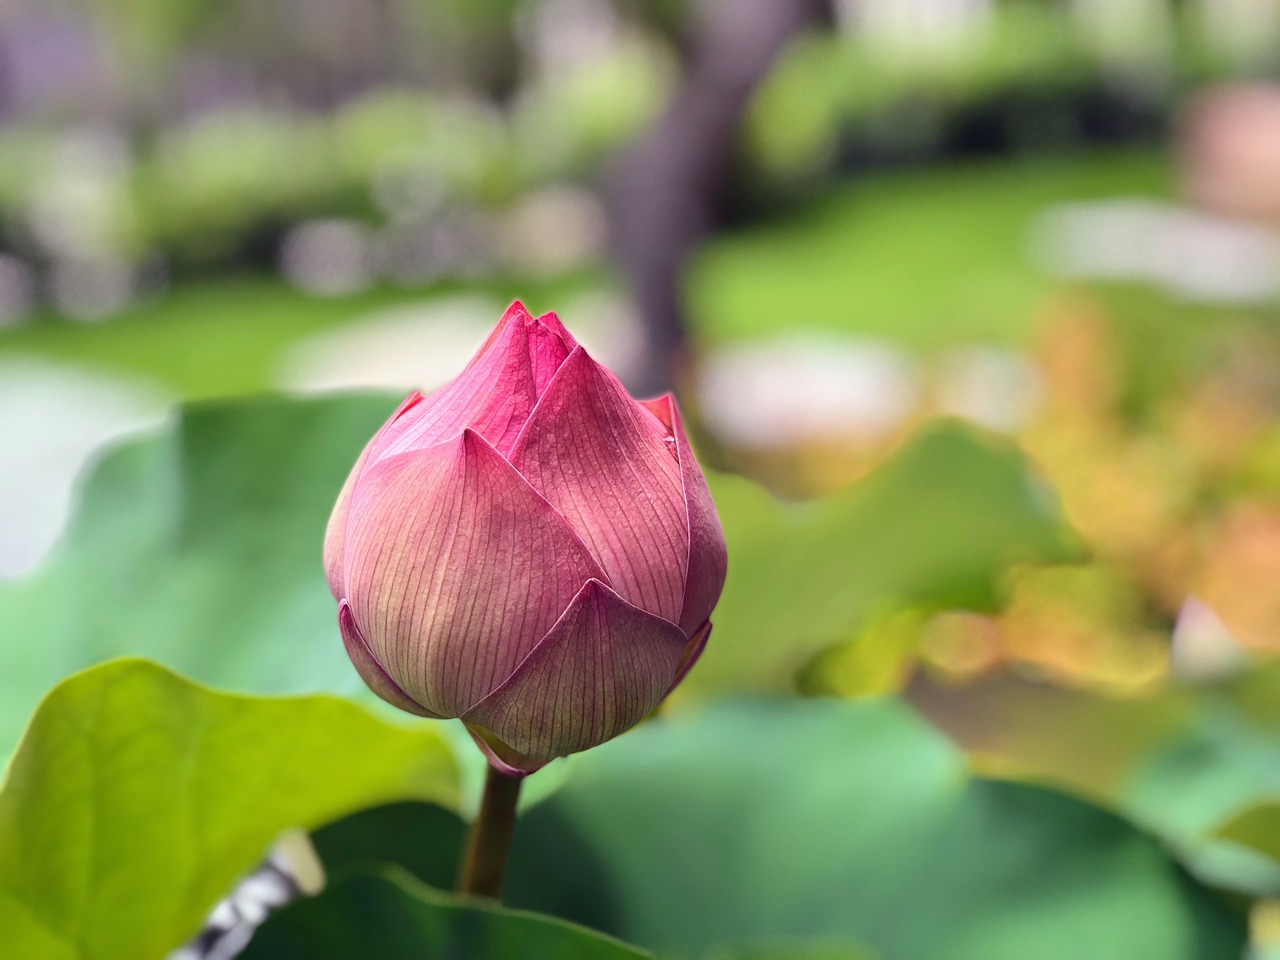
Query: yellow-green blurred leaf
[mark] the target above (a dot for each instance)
(137, 798)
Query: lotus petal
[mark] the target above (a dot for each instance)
(608, 467)
(708, 559)
(552, 322)
(336, 533)
(370, 670)
(456, 568)
(493, 395)
(692, 653)
(603, 666)
(549, 347)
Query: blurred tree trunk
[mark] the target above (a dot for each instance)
(667, 191)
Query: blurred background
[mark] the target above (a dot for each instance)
(984, 293)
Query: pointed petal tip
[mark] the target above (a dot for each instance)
(551, 320)
(409, 402)
(515, 314)
(663, 407)
(608, 467)
(548, 349)
(471, 444)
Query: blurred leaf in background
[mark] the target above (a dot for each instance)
(199, 548)
(389, 915)
(1180, 761)
(936, 523)
(765, 820)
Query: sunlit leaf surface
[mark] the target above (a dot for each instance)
(137, 798)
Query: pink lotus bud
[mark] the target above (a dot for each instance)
(528, 549)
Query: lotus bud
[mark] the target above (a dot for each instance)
(529, 549)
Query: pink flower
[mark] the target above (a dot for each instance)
(528, 548)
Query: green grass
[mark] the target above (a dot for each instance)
(928, 258)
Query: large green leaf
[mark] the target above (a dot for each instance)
(796, 819)
(136, 799)
(200, 548)
(1179, 761)
(936, 523)
(391, 916)
(422, 838)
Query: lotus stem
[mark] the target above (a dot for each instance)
(484, 862)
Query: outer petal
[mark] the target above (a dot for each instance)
(335, 535)
(370, 670)
(502, 757)
(493, 395)
(605, 464)
(708, 559)
(692, 653)
(516, 311)
(456, 568)
(599, 671)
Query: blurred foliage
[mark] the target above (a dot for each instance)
(228, 123)
(805, 575)
(819, 826)
(826, 87)
(928, 258)
(1256, 827)
(137, 799)
(828, 819)
(424, 839)
(221, 188)
(1031, 75)
(391, 916)
(1084, 604)
(198, 548)
(204, 341)
(200, 341)
(1180, 761)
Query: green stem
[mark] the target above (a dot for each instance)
(484, 863)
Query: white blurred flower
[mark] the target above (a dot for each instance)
(1191, 255)
(418, 346)
(993, 387)
(783, 391)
